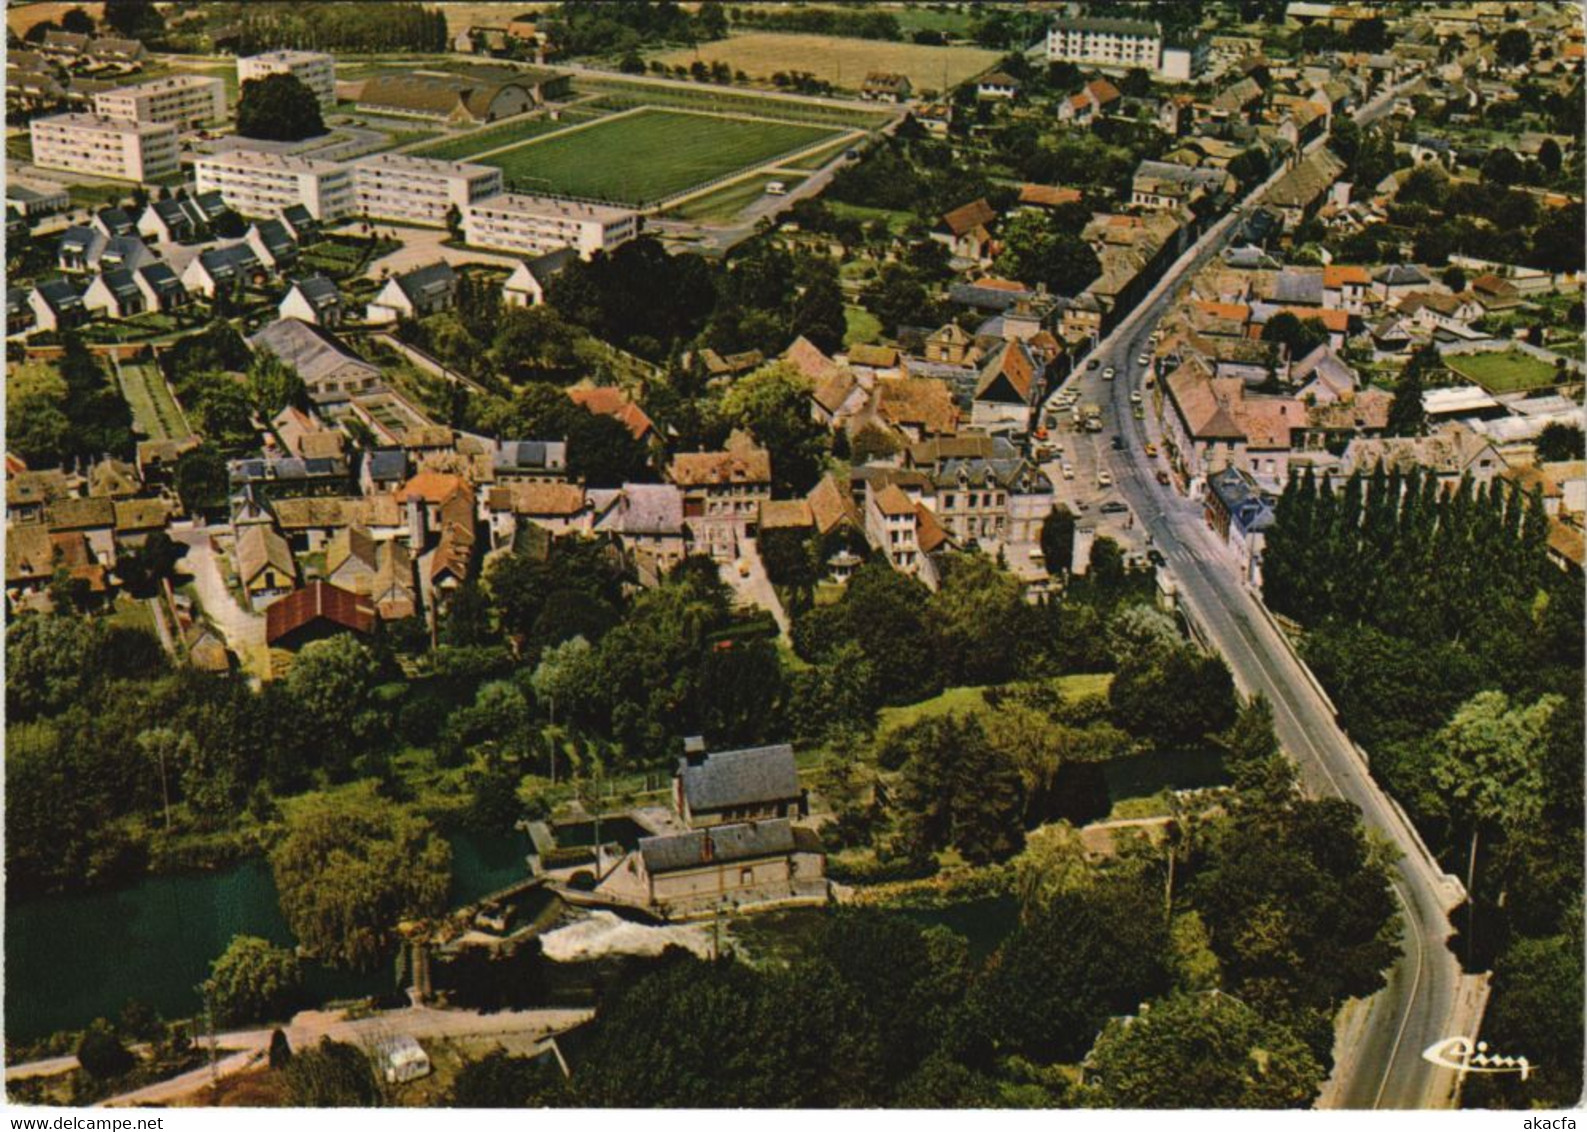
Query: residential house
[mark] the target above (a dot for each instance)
(1297, 195)
(560, 508)
(1095, 99)
(1452, 453)
(997, 84)
(313, 300)
(839, 527)
(79, 248)
(1397, 280)
(753, 784)
(383, 470)
(265, 566)
(57, 304)
(964, 231)
(1009, 387)
(902, 529)
(1437, 310)
(613, 401)
(886, 86)
(300, 222)
(113, 222)
(162, 290)
(722, 493)
(1241, 514)
(272, 243)
(1211, 423)
(1166, 185)
(116, 294)
(747, 863)
(317, 611)
(1047, 197)
(526, 286)
(93, 518)
(835, 398)
(1346, 287)
(1322, 377)
(379, 569)
(918, 408)
(647, 520)
(222, 269)
(982, 490)
(415, 294)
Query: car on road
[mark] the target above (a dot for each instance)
(1041, 434)
(1140, 412)
(1114, 507)
(776, 189)
(1118, 444)
(1162, 477)
(1135, 397)
(1093, 364)
(1144, 360)
(1107, 374)
(1104, 478)
(1068, 470)
(1155, 557)
(1151, 449)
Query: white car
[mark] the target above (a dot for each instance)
(1135, 398)
(1107, 374)
(1068, 470)
(1144, 359)
(1104, 478)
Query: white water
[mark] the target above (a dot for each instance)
(606, 933)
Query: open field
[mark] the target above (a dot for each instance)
(19, 18)
(623, 94)
(842, 62)
(815, 159)
(1502, 373)
(649, 156)
(860, 326)
(154, 411)
(970, 699)
(723, 204)
(463, 146)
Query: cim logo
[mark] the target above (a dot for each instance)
(1461, 1055)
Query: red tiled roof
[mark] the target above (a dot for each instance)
(610, 401)
(314, 602)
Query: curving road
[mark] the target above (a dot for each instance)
(1378, 1062)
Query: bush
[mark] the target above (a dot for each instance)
(866, 871)
(101, 1053)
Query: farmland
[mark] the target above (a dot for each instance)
(1503, 372)
(840, 61)
(649, 155)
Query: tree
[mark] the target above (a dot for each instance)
(273, 385)
(252, 981)
(101, 1053)
(1137, 83)
(1370, 35)
(351, 867)
(1202, 1051)
(819, 311)
(78, 22)
(331, 682)
(1299, 337)
(1178, 699)
(1549, 157)
(1502, 167)
(332, 1075)
(201, 479)
(1058, 540)
(773, 403)
(1561, 442)
(280, 1050)
(499, 1080)
(278, 108)
(1407, 417)
(1514, 47)
(134, 19)
(1455, 278)
(956, 790)
(1249, 166)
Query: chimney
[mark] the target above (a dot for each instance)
(416, 521)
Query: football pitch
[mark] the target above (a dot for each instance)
(650, 155)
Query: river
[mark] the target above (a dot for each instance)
(76, 957)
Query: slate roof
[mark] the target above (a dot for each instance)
(388, 465)
(117, 222)
(650, 509)
(425, 283)
(61, 295)
(750, 776)
(318, 291)
(162, 279)
(307, 349)
(723, 844)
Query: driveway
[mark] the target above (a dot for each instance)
(755, 588)
(244, 631)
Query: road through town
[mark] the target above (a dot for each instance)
(1426, 997)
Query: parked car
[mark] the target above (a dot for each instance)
(1118, 444)
(1162, 477)
(1151, 450)
(1107, 374)
(1114, 507)
(1068, 470)
(1144, 360)
(1135, 397)
(1093, 364)
(1104, 478)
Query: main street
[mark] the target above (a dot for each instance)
(1426, 998)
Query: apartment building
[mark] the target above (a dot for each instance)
(1123, 43)
(105, 147)
(418, 190)
(534, 225)
(311, 68)
(181, 100)
(255, 183)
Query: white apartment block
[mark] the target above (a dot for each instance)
(313, 69)
(181, 100)
(256, 183)
(1106, 43)
(105, 147)
(418, 190)
(534, 225)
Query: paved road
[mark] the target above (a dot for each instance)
(243, 630)
(1426, 998)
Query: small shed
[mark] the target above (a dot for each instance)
(401, 1059)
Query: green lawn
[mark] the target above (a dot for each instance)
(897, 220)
(722, 205)
(1502, 373)
(973, 700)
(649, 156)
(619, 94)
(463, 146)
(860, 326)
(154, 411)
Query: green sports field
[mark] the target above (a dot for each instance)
(649, 156)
